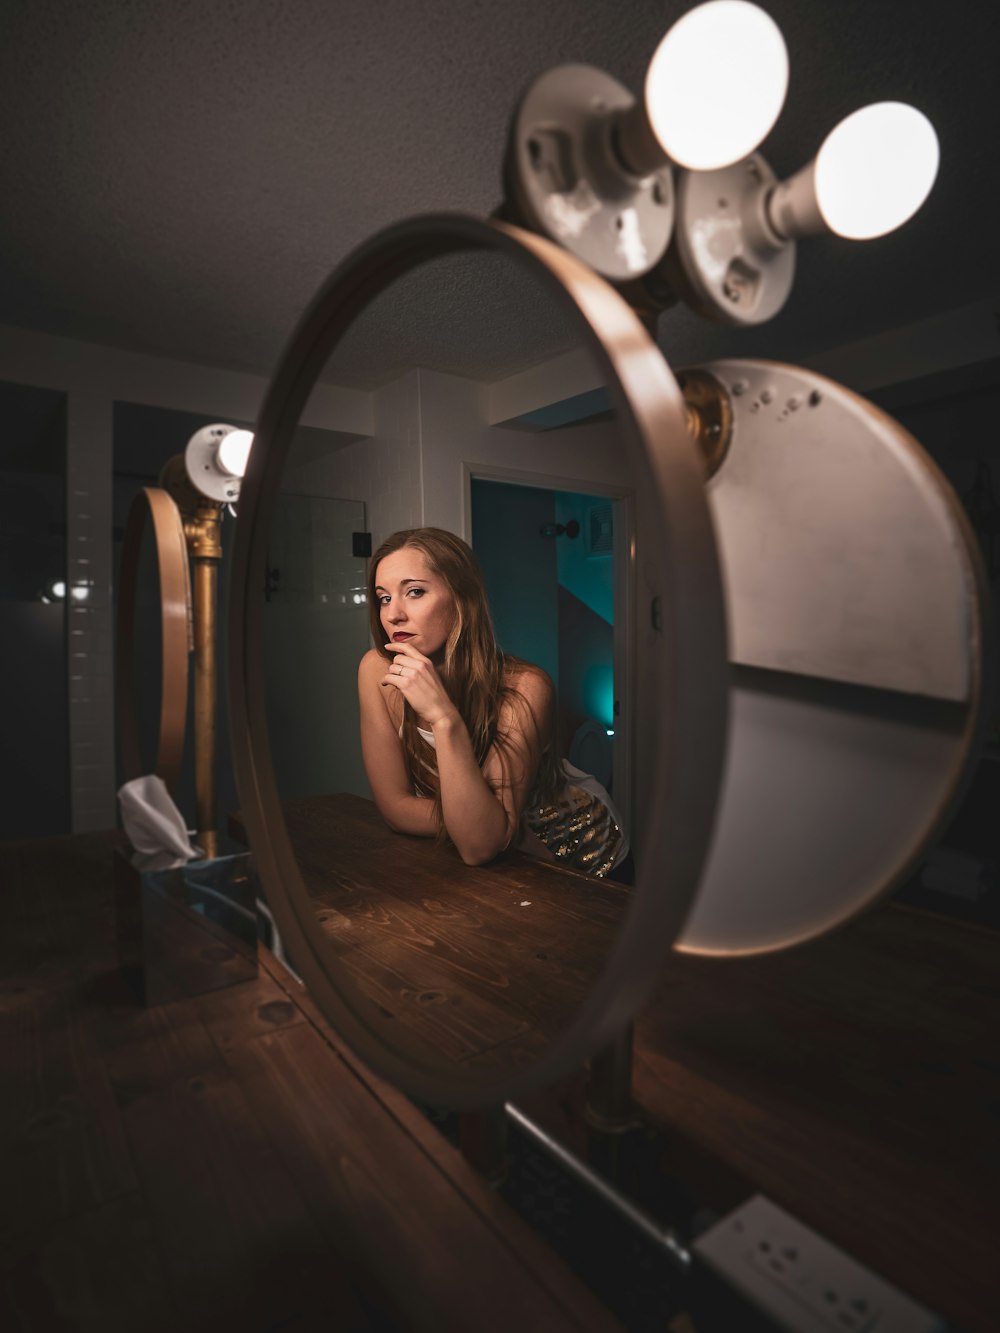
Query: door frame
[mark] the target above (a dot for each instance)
(623, 511)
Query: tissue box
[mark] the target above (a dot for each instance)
(189, 930)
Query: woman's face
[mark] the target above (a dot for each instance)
(415, 604)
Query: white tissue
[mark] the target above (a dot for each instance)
(154, 825)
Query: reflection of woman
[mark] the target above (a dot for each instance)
(456, 735)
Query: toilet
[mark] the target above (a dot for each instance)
(592, 750)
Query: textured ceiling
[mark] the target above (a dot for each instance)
(178, 177)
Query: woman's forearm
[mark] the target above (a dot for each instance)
(410, 814)
(476, 821)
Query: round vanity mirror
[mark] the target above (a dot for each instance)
(466, 379)
(152, 639)
(859, 641)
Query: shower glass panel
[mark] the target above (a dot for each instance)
(315, 634)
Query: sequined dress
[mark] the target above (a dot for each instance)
(582, 829)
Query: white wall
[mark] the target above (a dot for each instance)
(94, 378)
(383, 472)
(428, 432)
(458, 441)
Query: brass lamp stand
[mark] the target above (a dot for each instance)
(202, 520)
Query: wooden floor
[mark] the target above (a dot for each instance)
(221, 1162)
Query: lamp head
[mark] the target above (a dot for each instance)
(590, 166)
(733, 251)
(216, 459)
(871, 174)
(565, 174)
(875, 169)
(716, 84)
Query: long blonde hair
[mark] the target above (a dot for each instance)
(476, 673)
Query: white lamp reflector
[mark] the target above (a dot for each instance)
(716, 84)
(875, 169)
(234, 450)
(214, 466)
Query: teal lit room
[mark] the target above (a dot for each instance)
(499, 551)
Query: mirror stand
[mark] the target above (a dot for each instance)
(609, 1088)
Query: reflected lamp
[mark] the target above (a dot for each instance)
(216, 460)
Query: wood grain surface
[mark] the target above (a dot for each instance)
(226, 1158)
(856, 1082)
(479, 964)
(222, 1162)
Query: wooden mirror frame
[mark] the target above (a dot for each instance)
(680, 561)
(153, 506)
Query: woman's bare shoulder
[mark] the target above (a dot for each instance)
(372, 666)
(530, 681)
(371, 673)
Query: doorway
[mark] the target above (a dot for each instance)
(556, 571)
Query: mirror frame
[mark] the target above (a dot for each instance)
(680, 562)
(152, 506)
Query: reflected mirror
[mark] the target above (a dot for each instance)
(152, 639)
(458, 361)
(461, 377)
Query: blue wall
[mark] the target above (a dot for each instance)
(591, 578)
(552, 604)
(519, 566)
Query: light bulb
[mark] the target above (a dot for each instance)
(875, 169)
(234, 450)
(58, 589)
(716, 84)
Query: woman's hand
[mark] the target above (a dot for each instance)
(418, 682)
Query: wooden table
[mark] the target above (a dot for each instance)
(855, 1081)
(477, 964)
(222, 1162)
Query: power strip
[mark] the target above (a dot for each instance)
(799, 1281)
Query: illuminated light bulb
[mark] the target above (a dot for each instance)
(716, 84)
(234, 450)
(875, 169)
(216, 459)
(590, 166)
(80, 593)
(58, 589)
(735, 228)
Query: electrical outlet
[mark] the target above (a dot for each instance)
(801, 1282)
